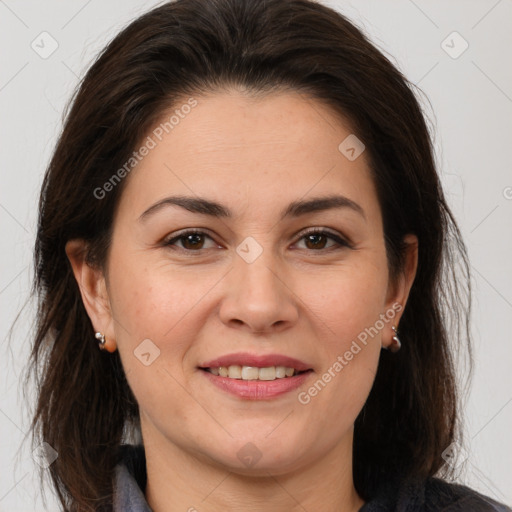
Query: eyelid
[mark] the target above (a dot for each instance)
(324, 230)
(187, 231)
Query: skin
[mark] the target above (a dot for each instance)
(255, 156)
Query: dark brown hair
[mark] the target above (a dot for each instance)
(85, 408)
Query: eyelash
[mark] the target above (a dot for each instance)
(342, 243)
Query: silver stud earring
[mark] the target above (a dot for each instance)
(395, 345)
(101, 338)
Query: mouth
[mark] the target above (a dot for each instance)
(256, 377)
(247, 366)
(266, 373)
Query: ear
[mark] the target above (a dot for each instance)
(92, 284)
(398, 290)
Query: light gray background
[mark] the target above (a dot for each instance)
(471, 107)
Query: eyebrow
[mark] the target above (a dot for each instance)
(295, 209)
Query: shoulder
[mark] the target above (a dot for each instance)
(452, 497)
(431, 495)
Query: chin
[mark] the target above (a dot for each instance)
(259, 456)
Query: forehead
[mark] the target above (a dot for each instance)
(243, 150)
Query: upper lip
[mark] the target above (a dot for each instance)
(261, 361)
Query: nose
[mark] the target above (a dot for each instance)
(258, 297)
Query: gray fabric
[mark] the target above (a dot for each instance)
(431, 495)
(128, 496)
(130, 480)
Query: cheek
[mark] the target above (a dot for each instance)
(156, 312)
(152, 300)
(349, 298)
(348, 308)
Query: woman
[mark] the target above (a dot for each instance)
(242, 211)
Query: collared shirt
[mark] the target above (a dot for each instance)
(130, 481)
(431, 495)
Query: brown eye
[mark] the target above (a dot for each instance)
(194, 241)
(190, 241)
(316, 240)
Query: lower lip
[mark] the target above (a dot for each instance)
(257, 389)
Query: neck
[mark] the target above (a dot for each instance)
(180, 480)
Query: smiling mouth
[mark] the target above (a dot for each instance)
(254, 372)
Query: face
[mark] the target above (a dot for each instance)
(256, 280)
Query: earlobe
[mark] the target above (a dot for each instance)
(92, 285)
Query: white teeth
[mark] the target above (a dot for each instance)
(268, 373)
(252, 372)
(235, 371)
(280, 372)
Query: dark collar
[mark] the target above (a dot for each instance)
(130, 480)
(396, 496)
